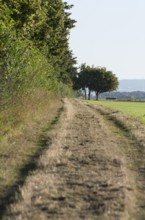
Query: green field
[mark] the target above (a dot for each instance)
(135, 109)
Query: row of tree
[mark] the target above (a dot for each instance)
(34, 47)
(34, 51)
(95, 79)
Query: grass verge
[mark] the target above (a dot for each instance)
(23, 139)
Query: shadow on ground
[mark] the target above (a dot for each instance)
(43, 141)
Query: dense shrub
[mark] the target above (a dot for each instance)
(33, 47)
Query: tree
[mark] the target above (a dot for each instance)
(34, 47)
(47, 24)
(82, 80)
(103, 81)
(95, 79)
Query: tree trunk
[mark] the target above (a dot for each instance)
(97, 96)
(89, 95)
(85, 93)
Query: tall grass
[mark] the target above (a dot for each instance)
(22, 125)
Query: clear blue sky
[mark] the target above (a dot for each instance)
(110, 33)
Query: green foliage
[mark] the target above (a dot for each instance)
(103, 81)
(34, 50)
(47, 24)
(95, 79)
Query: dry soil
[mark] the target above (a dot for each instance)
(88, 172)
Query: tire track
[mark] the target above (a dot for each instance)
(83, 175)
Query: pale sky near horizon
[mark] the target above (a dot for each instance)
(111, 34)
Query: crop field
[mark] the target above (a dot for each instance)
(135, 109)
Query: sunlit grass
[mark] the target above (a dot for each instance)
(135, 109)
(21, 127)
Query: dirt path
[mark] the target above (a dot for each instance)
(85, 173)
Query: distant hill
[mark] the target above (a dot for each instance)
(123, 95)
(129, 85)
